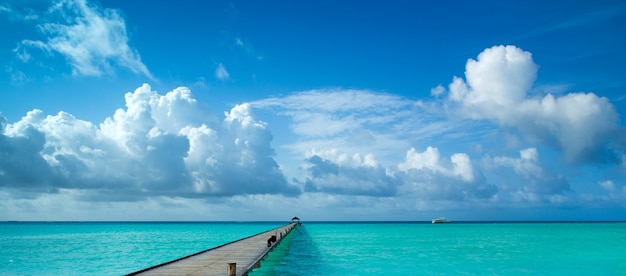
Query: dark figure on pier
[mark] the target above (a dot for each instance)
(271, 240)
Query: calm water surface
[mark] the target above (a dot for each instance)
(109, 248)
(452, 249)
(323, 248)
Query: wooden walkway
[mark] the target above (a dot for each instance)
(246, 253)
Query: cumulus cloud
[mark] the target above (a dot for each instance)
(427, 175)
(431, 160)
(614, 195)
(341, 130)
(496, 88)
(352, 149)
(335, 172)
(22, 166)
(352, 141)
(536, 181)
(159, 145)
(90, 38)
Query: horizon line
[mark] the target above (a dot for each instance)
(305, 221)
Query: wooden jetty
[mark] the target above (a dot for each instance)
(234, 258)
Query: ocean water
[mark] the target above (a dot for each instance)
(109, 248)
(450, 249)
(316, 248)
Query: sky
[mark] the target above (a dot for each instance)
(328, 110)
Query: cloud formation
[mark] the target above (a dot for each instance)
(247, 47)
(338, 173)
(336, 128)
(354, 121)
(159, 145)
(354, 143)
(221, 73)
(429, 176)
(93, 40)
(530, 181)
(339, 148)
(496, 88)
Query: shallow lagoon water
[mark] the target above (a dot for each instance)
(456, 248)
(109, 248)
(333, 248)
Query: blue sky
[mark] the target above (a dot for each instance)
(474, 110)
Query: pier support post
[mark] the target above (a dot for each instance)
(232, 269)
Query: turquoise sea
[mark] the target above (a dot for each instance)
(322, 248)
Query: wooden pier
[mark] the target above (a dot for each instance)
(234, 258)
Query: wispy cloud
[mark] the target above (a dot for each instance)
(589, 17)
(362, 121)
(354, 142)
(221, 73)
(17, 77)
(247, 47)
(342, 148)
(17, 13)
(92, 39)
(355, 121)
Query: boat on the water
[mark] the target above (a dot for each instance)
(440, 220)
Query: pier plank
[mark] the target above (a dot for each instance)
(245, 253)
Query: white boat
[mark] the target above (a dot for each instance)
(440, 220)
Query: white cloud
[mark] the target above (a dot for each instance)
(20, 11)
(428, 176)
(352, 150)
(90, 38)
(341, 131)
(348, 175)
(526, 165)
(614, 195)
(159, 145)
(356, 121)
(459, 164)
(221, 73)
(496, 89)
(501, 76)
(337, 100)
(429, 159)
(438, 90)
(536, 181)
(607, 185)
